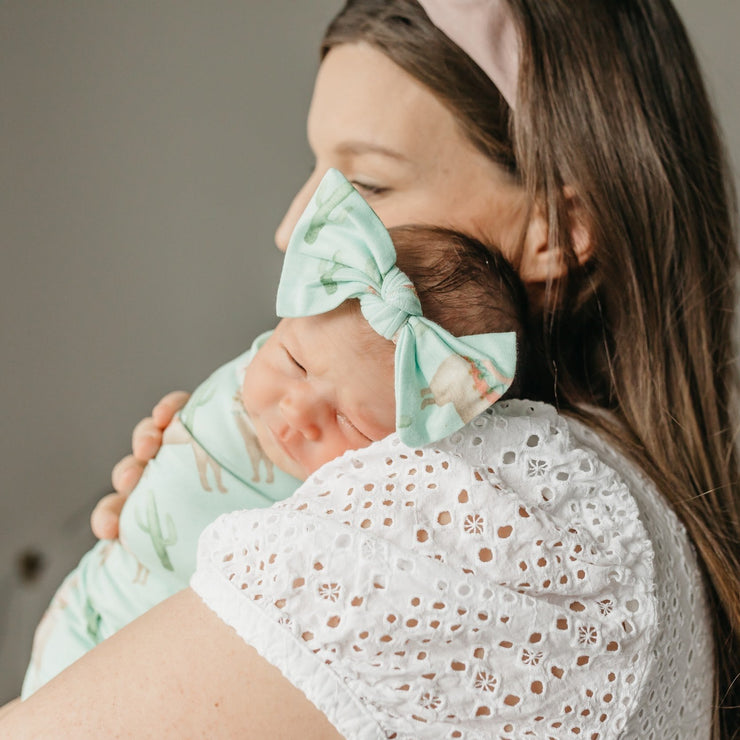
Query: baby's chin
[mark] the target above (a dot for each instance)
(314, 465)
(304, 469)
(300, 469)
(287, 464)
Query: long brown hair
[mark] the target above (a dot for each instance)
(637, 138)
(611, 103)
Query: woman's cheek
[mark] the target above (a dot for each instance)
(295, 209)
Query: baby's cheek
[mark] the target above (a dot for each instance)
(249, 390)
(336, 448)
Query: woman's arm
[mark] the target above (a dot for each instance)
(146, 441)
(7, 708)
(178, 671)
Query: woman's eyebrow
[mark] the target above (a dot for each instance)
(367, 147)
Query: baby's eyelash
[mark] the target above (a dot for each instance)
(293, 359)
(346, 421)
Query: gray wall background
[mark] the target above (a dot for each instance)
(147, 152)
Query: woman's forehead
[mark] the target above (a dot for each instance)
(378, 125)
(363, 99)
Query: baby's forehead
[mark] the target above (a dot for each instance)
(368, 341)
(342, 336)
(364, 371)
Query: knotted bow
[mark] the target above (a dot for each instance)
(339, 249)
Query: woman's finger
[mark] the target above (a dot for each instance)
(147, 437)
(126, 474)
(146, 440)
(168, 406)
(105, 516)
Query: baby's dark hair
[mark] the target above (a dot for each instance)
(464, 286)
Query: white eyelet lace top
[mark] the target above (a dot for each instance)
(517, 580)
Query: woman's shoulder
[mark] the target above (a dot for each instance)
(504, 573)
(621, 506)
(521, 467)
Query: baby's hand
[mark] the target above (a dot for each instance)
(146, 441)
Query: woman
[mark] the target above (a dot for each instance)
(602, 178)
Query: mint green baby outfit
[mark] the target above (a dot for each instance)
(210, 463)
(339, 250)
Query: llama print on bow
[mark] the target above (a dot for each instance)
(452, 380)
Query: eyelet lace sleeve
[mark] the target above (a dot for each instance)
(499, 584)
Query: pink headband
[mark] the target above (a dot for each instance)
(485, 31)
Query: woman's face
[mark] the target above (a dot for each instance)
(404, 152)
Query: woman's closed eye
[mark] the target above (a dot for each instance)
(367, 189)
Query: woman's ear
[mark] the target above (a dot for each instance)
(542, 261)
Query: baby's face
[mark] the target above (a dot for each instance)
(319, 386)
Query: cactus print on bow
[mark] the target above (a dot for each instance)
(341, 250)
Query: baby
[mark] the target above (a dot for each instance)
(360, 352)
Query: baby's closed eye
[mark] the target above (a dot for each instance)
(347, 424)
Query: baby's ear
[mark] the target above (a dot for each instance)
(541, 261)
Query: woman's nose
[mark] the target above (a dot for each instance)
(296, 208)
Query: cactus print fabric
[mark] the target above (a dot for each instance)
(210, 462)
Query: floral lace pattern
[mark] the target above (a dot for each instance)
(504, 583)
(677, 692)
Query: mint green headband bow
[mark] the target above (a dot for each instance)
(340, 250)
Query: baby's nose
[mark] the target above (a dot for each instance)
(304, 412)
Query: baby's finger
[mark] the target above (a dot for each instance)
(168, 406)
(126, 474)
(105, 516)
(146, 439)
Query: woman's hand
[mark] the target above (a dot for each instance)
(146, 441)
